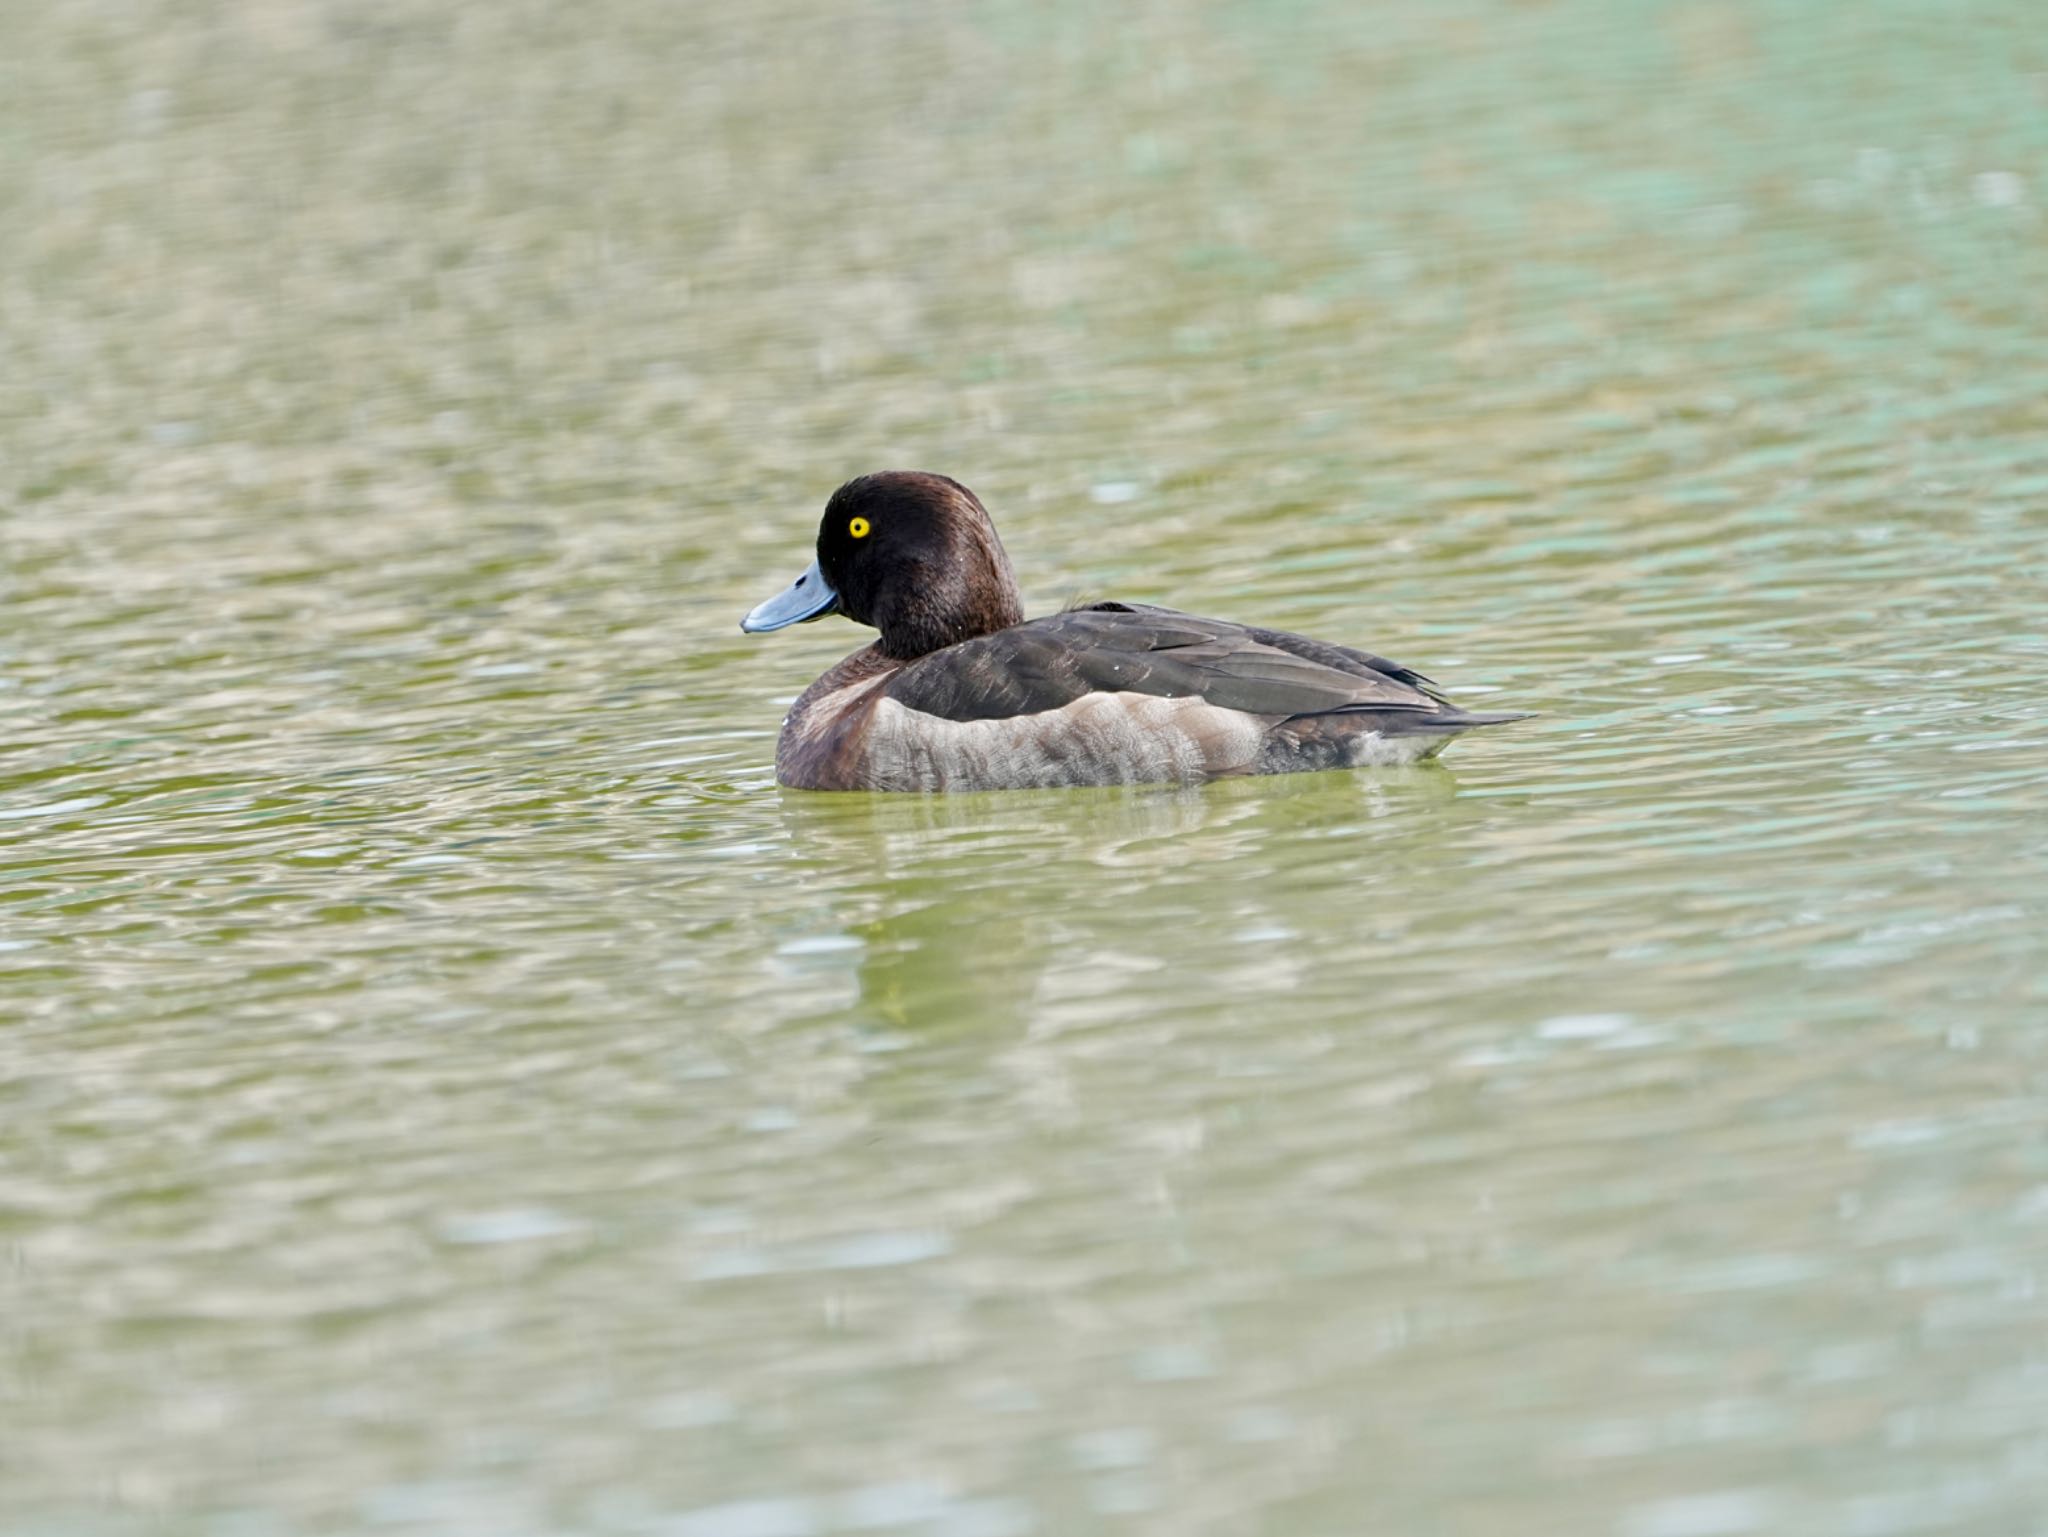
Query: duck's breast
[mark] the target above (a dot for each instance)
(825, 737)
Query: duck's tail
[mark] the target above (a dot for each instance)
(1443, 725)
(1465, 720)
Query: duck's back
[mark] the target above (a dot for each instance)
(1113, 693)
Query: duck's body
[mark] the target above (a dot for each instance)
(1109, 694)
(962, 693)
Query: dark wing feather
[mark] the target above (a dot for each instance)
(1133, 648)
(1341, 658)
(1345, 659)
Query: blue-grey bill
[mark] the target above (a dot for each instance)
(809, 597)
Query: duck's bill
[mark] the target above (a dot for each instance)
(809, 597)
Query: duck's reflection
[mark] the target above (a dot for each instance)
(1012, 910)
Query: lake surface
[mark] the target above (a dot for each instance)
(446, 1087)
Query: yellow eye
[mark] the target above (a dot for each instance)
(858, 528)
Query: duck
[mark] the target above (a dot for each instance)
(961, 692)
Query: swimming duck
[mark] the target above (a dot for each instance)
(962, 692)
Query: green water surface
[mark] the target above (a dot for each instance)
(447, 1087)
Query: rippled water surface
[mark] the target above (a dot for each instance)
(445, 1086)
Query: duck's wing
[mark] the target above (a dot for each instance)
(1131, 648)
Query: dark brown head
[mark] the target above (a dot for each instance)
(912, 554)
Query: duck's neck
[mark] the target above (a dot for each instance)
(943, 608)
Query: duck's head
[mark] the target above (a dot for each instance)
(911, 553)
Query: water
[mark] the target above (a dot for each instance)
(446, 1087)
